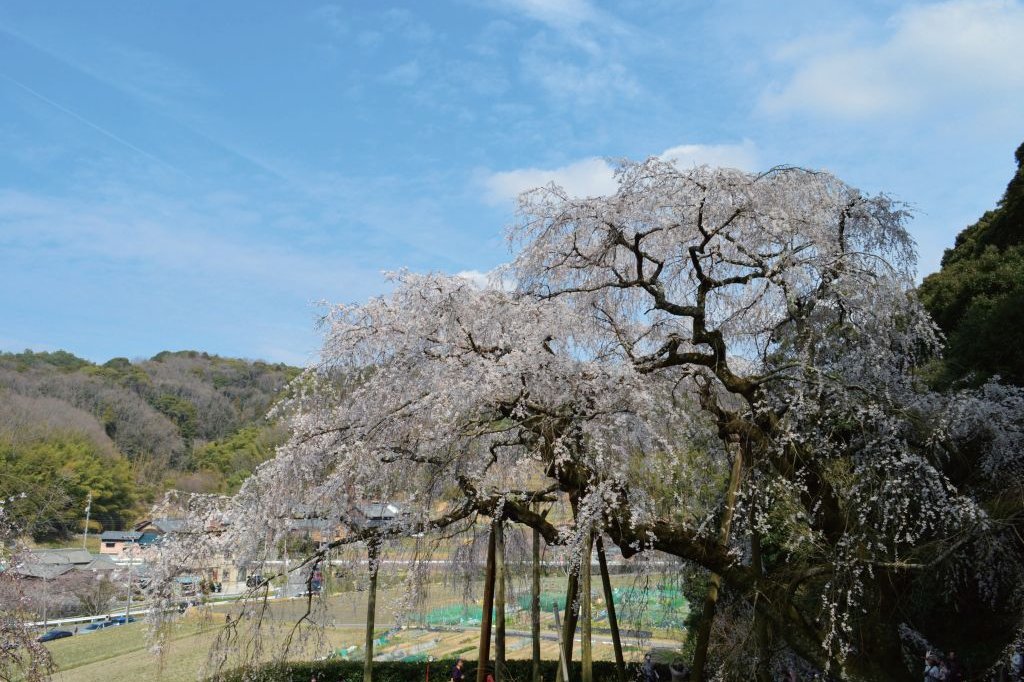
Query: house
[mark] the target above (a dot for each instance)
(376, 514)
(125, 542)
(321, 528)
(48, 564)
(160, 526)
(219, 570)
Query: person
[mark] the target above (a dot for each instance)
(954, 671)
(649, 672)
(932, 672)
(457, 675)
(1017, 664)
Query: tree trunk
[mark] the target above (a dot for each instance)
(535, 607)
(613, 621)
(499, 600)
(700, 654)
(587, 667)
(571, 608)
(373, 554)
(762, 639)
(484, 656)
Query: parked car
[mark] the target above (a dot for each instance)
(93, 627)
(52, 635)
(122, 620)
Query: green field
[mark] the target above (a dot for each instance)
(124, 654)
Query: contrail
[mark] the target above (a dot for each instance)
(85, 121)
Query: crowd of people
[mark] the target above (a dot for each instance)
(949, 668)
(944, 669)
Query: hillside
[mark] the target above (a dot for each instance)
(977, 297)
(127, 430)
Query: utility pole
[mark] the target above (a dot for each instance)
(46, 601)
(128, 603)
(88, 510)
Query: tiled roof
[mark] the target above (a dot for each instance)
(120, 536)
(59, 556)
(47, 564)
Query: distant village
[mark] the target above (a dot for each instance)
(69, 586)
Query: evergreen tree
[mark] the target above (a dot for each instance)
(977, 297)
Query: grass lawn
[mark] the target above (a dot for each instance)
(122, 653)
(117, 642)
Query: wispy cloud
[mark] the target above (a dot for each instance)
(559, 14)
(569, 79)
(587, 177)
(94, 126)
(157, 83)
(931, 55)
(499, 278)
(163, 235)
(595, 176)
(581, 53)
(743, 155)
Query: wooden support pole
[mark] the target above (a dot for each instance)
(587, 654)
(373, 556)
(484, 656)
(499, 600)
(535, 607)
(569, 624)
(613, 620)
(563, 670)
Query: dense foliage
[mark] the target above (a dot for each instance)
(125, 431)
(57, 475)
(977, 298)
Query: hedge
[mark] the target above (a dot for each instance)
(398, 671)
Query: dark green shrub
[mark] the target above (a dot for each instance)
(394, 671)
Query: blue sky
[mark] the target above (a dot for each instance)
(198, 175)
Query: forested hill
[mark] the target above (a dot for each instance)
(977, 298)
(126, 430)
